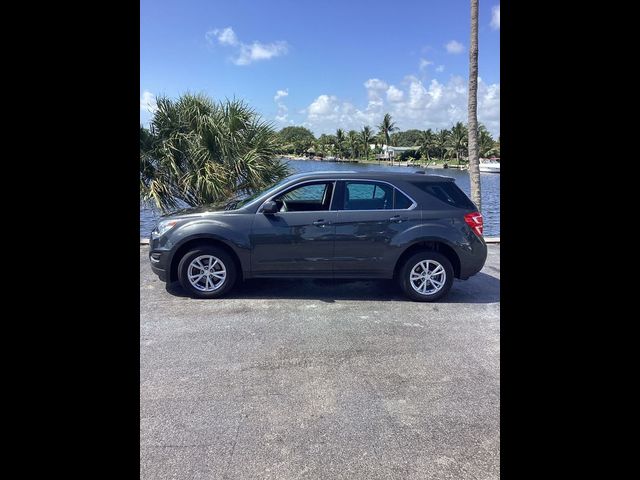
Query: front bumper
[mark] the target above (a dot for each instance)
(161, 272)
(159, 259)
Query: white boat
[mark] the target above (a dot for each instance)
(490, 165)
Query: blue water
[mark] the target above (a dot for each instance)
(489, 184)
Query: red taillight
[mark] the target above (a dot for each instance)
(475, 221)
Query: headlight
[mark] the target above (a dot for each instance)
(163, 227)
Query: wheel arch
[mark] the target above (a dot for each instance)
(190, 244)
(432, 245)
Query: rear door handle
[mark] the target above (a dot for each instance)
(320, 223)
(398, 219)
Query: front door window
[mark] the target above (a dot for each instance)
(314, 197)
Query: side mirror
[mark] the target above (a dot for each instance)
(270, 207)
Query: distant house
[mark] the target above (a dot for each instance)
(389, 153)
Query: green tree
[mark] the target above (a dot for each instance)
(474, 163)
(366, 135)
(296, 139)
(205, 152)
(442, 141)
(146, 140)
(496, 148)
(354, 143)
(486, 144)
(386, 127)
(407, 138)
(340, 139)
(426, 140)
(458, 140)
(327, 143)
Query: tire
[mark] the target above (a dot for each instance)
(433, 290)
(220, 280)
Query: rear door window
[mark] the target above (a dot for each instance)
(367, 196)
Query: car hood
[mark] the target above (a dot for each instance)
(194, 211)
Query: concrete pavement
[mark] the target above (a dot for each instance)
(312, 379)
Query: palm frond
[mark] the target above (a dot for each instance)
(198, 151)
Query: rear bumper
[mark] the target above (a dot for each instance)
(473, 259)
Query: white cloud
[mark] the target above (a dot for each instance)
(424, 63)
(454, 47)
(322, 106)
(225, 36)
(375, 89)
(432, 105)
(280, 94)
(440, 68)
(283, 111)
(375, 84)
(148, 102)
(495, 17)
(260, 51)
(283, 118)
(247, 52)
(394, 94)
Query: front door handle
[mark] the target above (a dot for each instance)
(398, 219)
(320, 223)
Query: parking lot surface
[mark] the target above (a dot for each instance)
(310, 379)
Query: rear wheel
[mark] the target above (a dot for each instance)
(426, 276)
(207, 272)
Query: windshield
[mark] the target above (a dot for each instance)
(245, 200)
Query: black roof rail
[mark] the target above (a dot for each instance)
(420, 171)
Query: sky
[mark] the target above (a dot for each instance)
(324, 64)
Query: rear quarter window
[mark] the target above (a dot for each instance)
(447, 192)
(402, 202)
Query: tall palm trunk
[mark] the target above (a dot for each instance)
(474, 163)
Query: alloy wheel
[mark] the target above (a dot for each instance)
(427, 277)
(206, 273)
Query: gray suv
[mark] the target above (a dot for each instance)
(418, 229)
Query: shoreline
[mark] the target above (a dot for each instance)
(376, 162)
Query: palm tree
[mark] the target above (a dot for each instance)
(486, 145)
(474, 163)
(427, 141)
(331, 141)
(146, 140)
(386, 127)
(324, 143)
(442, 140)
(366, 135)
(339, 141)
(458, 139)
(205, 152)
(354, 143)
(496, 148)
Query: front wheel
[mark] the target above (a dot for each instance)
(207, 272)
(426, 276)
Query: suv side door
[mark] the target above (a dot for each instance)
(297, 240)
(371, 214)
